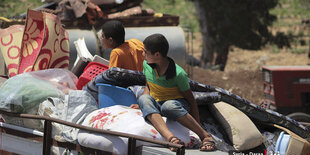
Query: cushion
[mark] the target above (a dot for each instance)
(240, 129)
(127, 120)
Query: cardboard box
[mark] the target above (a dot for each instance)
(298, 146)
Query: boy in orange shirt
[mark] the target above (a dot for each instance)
(127, 54)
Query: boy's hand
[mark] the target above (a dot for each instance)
(135, 106)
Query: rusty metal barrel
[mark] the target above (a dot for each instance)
(174, 34)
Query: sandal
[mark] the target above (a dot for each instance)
(174, 140)
(207, 145)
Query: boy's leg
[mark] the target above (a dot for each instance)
(175, 109)
(160, 125)
(189, 122)
(150, 109)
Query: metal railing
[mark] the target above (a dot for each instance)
(189, 43)
(48, 141)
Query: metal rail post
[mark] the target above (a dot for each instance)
(181, 151)
(47, 142)
(131, 146)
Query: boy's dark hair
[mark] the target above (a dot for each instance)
(115, 30)
(157, 43)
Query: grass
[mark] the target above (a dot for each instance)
(184, 8)
(11, 8)
(298, 50)
(274, 49)
(293, 8)
(290, 14)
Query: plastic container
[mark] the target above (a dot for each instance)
(282, 143)
(91, 71)
(110, 95)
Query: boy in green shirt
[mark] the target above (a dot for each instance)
(168, 93)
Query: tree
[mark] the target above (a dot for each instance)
(225, 23)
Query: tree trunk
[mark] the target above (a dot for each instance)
(221, 57)
(207, 42)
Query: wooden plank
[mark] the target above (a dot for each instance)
(132, 21)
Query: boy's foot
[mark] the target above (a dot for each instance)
(208, 144)
(174, 140)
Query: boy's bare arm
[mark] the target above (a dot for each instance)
(188, 95)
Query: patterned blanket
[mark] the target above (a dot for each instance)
(41, 44)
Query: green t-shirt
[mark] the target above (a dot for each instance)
(162, 89)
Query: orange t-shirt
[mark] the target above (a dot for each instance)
(129, 55)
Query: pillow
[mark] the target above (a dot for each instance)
(240, 129)
(127, 120)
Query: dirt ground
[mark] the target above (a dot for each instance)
(243, 75)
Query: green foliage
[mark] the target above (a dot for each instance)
(183, 8)
(298, 50)
(300, 34)
(292, 8)
(11, 8)
(250, 24)
(243, 23)
(302, 42)
(290, 14)
(281, 40)
(275, 49)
